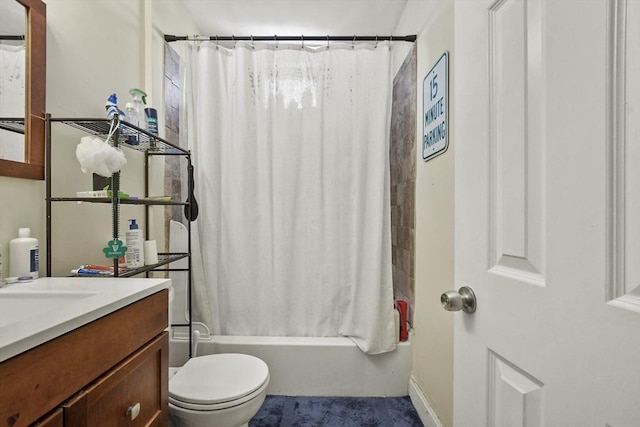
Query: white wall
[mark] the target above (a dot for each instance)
(21, 205)
(433, 326)
(94, 48)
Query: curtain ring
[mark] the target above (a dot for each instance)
(302, 36)
(376, 42)
(233, 38)
(197, 39)
(217, 45)
(275, 37)
(327, 41)
(353, 42)
(253, 46)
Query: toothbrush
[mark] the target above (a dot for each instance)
(88, 272)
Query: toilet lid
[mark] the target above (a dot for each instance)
(218, 378)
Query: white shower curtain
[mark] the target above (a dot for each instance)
(290, 146)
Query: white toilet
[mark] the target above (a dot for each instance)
(218, 390)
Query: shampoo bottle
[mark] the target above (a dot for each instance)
(135, 250)
(152, 120)
(24, 255)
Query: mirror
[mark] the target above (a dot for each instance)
(12, 77)
(25, 133)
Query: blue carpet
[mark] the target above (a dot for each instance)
(298, 411)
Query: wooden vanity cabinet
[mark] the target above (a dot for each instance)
(94, 375)
(131, 394)
(53, 419)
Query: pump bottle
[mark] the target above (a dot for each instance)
(135, 250)
(24, 255)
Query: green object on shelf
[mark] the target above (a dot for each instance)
(121, 194)
(115, 249)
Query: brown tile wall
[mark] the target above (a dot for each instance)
(402, 158)
(172, 97)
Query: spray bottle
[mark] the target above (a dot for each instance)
(131, 116)
(138, 102)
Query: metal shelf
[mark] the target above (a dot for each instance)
(163, 259)
(151, 144)
(12, 124)
(145, 201)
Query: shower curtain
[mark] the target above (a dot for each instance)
(290, 145)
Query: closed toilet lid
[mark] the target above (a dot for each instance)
(218, 378)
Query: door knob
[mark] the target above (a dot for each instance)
(464, 299)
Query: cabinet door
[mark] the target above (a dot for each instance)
(52, 419)
(134, 393)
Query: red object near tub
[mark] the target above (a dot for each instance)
(404, 330)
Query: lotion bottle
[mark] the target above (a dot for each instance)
(135, 249)
(24, 255)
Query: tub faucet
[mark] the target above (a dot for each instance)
(196, 339)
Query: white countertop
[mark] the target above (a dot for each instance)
(61, 304)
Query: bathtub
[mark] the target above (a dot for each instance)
(301, 366)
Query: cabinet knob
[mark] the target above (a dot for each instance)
(133, 411)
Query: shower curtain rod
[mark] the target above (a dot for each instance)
(302, 38)
(11, 37)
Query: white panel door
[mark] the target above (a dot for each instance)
(547, 206)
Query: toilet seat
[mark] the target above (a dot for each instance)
(218, 381)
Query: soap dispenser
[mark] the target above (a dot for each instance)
(135, 248)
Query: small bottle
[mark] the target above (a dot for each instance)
(112, 107)
(135, 249)
(24, 255)
(131, 116)
(152, 120)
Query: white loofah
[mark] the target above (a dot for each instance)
(96, 156)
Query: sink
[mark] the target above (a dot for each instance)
(35, 312)
(17, 305)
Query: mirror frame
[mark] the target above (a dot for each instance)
(34, 119)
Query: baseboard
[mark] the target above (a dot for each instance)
(424, 410)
